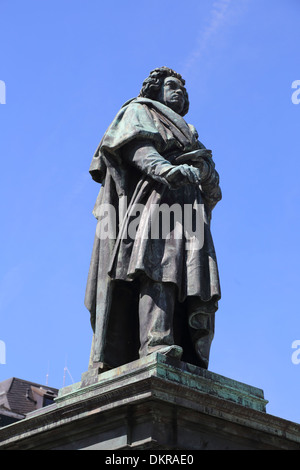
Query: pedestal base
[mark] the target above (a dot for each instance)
(154, 403)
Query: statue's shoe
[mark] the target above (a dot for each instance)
(169, 351)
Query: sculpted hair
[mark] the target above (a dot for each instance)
(152, 85)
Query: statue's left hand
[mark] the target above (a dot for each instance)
(195, 156)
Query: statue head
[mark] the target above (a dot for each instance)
(168, 87)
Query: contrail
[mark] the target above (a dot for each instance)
(221, 12)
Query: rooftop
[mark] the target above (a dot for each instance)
(19, 397)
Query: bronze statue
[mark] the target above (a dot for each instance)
(149, 291)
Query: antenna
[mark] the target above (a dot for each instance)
(67, 370)
(47, 375)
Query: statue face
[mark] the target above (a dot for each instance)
(171, 94)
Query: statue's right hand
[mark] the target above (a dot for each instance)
(183, 174)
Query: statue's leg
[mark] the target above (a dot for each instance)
(201, 322)
(156, 316)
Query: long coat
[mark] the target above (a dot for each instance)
(131, 179)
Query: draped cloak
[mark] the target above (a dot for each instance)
(127, 181)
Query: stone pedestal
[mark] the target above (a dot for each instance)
(154, 403)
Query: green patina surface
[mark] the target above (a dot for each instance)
(174, 371)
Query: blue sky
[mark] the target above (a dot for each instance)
(68, 66)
